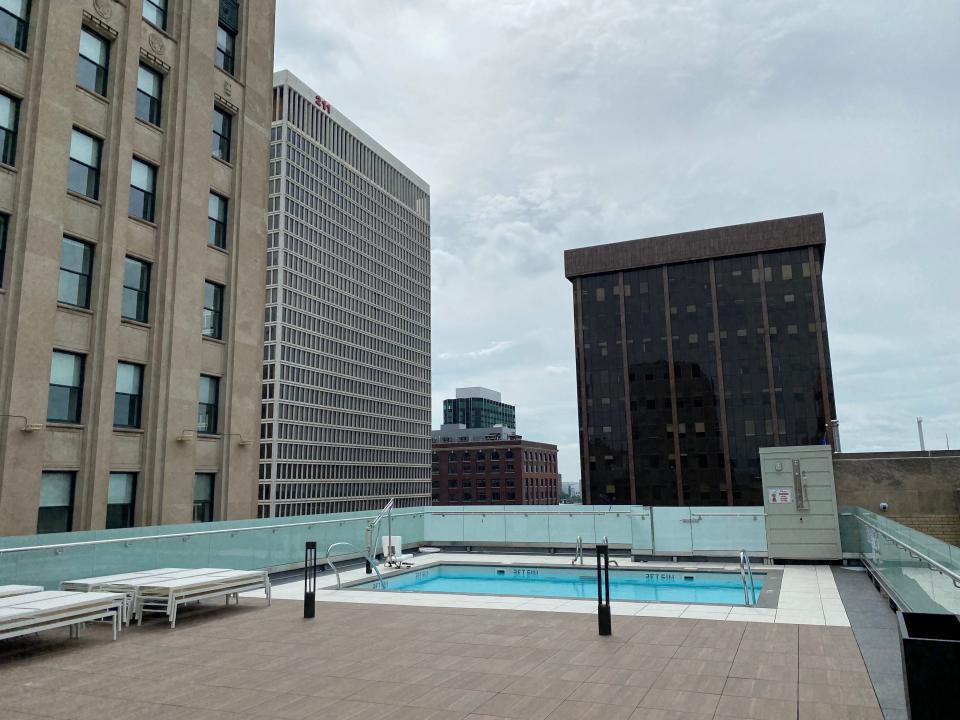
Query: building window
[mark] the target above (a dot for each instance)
(76, 268)
(14, 18)
(65, 395)
(56, 502)
(209, 401)
(136, 290)
(226, 47)
(203, 497)
(217, 221)
(227, 26)
(92, 64)
(120, 498)
(222, 126)
(213, 310)
(143, 190)
(155, 12)
(128, 400)
(4, 222)
(84, 175)
(149, 92)
(9, 120)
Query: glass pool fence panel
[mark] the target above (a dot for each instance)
(524, 527)
(46, 566)
(851, 541)
(616, 526)
(641, 531)
(566, 526)
(442, 526)
(671, 531)
(483, 527)
(536, 525)
(727, 531)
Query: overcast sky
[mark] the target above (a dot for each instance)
(542, 126)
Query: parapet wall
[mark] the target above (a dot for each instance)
(922, 490)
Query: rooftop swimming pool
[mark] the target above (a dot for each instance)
(578, 582)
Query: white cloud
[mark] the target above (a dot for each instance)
(494, 348)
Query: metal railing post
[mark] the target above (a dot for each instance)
(603, 581)
(743, 578)
(310, 580)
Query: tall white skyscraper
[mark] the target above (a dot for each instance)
(346, 366)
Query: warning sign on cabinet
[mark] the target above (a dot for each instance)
(780, 495)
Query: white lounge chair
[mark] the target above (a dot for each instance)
(14, 590)
(118, 583)
(393, 552)
(165, 595)
(35, 612)
(95, 583)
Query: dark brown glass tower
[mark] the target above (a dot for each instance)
(694, 351)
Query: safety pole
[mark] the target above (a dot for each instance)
(310, 580)
(603, 581)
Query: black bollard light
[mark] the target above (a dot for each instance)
(603, 581)
(310, 580)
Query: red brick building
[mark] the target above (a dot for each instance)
(495, 472)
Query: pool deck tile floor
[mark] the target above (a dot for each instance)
(357, 661)
(808, 594)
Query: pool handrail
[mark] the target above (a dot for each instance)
(606, 541)
(749, 597)
(373, 563)
(579, 552)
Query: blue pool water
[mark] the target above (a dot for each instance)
(572, 582)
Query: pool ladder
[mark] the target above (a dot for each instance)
(746, 572)
(578, 555)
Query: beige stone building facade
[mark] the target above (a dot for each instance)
(135, 139)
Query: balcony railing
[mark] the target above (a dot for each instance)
(277, 543)
(921, 573)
